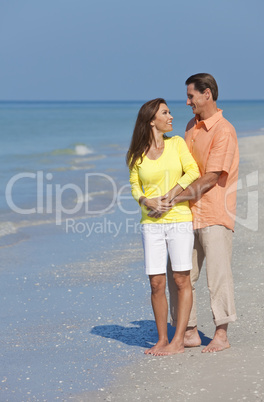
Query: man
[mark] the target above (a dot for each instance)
(213, 143)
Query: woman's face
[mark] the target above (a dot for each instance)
(163, 119)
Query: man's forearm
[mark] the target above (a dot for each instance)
(198, 188)
(173, 193)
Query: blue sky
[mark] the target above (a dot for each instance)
(129, 49)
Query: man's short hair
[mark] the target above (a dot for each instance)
(202, 81)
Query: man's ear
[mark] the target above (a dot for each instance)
(207, 93)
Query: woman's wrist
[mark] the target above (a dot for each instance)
(142, 200)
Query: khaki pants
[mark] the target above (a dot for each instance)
(215, 244)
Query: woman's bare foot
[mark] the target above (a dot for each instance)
(160, 344)
(192, 338)
(172, 349)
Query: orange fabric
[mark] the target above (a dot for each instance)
(213, 144)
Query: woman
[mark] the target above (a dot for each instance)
(163, 167)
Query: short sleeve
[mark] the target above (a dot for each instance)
(222, 153)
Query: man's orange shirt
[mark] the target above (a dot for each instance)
(213, 144)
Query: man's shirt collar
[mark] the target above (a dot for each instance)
(208, 123)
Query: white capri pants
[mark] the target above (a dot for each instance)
(159, 239)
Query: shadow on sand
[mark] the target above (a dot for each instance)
(142, 333)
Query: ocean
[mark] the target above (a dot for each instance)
(70, 243)
(52, 151)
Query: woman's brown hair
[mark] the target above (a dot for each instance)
(142, 134)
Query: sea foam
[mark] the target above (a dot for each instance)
(7, 228)
(82, 150)
(79, 149)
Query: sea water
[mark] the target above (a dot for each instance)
(53, 150)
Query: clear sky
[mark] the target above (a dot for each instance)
(129, 49)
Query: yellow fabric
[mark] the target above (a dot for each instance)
(153, 178)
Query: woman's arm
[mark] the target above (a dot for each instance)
(152, 204)
(189, 167)
(136, 185)
(191, 173)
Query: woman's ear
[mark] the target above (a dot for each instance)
(152, 123)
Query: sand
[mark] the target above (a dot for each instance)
(236, 374)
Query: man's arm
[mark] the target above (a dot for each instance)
(193, 192)
(198, 187)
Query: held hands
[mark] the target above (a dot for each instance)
(157, 206)
(167, 201)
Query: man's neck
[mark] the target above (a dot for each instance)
(208, 112)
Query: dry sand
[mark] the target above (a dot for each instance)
(236, 374)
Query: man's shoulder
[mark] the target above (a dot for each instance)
(225, 123)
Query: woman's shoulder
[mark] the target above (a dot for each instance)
(176, 139)
(140, 161)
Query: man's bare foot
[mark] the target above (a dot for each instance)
(172, 349)
(192, 338)
(216, 345)
(160, 344)
(219, 342)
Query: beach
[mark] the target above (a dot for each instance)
(75, 302)
(235, 374)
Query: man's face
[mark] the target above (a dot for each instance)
(196, 100)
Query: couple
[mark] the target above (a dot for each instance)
(182, 186)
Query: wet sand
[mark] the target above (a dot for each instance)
(235, 374)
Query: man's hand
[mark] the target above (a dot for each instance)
(167, 199)
(157, 205)
(163, 206)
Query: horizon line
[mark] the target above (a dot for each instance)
(108, 100)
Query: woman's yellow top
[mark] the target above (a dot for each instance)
(153, 178)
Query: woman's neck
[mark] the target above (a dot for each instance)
(157, 140)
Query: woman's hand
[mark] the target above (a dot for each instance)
(157, 205)
(165, 206)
